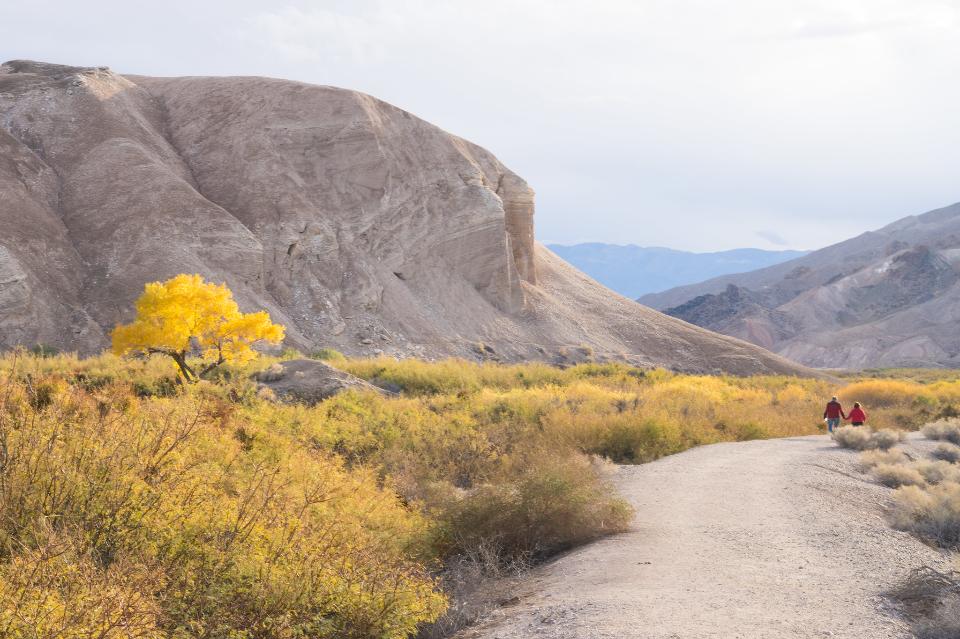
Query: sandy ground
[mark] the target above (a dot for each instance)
(779, 538)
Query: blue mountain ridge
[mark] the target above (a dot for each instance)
(634, 271)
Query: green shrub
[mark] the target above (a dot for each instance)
(43, 350)
(328, 355)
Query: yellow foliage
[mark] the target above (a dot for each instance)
(58, 591)
(183, 518)
(187, 314)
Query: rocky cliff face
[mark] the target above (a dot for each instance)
(356, 224)
(886, 298)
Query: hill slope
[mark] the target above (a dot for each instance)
(356, 224)
(634, 270)
(889, 297)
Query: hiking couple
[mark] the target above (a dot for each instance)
(834, 412)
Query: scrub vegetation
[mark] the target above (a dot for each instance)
(925, 502)
(136, 505)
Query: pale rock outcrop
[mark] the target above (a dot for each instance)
(308, 381)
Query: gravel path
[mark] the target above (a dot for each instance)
(778, 538)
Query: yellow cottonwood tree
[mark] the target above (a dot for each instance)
(189, 317)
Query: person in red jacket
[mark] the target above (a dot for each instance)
(857, 416)
(833, 413)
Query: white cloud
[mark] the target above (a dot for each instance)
(773, 237)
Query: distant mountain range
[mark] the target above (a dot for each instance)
(889, 297)
(634, 271)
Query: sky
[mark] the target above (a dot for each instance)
(692, 124)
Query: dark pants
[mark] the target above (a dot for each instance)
(858, 423)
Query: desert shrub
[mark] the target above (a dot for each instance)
(936, 471)
(58, 588)
(750, 430)
(235, 538)
(883, 393)
(272, 373)
(859, 438)
(885, 439)
(896, 475)
(556, 503)
(947, 452)
(871, 458)
(931, 600)
(944, 429)
(852, 437)
(627, 439)
(932, 513)
(942, 623)
(328, 355)
(44, 350)
(465, 579)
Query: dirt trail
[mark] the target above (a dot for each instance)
(779, 538)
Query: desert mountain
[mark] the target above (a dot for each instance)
(356, 224)
(889, 297)
(634, 271)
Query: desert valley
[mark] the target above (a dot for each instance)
(282, 360)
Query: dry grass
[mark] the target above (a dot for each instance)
(943, 622)
(470, 582)
(947, 452)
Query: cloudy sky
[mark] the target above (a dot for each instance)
(693, 124)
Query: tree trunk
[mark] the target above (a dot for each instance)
(185, 370)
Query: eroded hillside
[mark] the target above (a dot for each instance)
(356, 224)
(886, 298)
